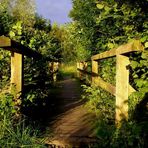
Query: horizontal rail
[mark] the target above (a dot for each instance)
(105, 85)
(123, 49)
(88, 73)
(13, 46)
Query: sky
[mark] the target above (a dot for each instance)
(54, 10)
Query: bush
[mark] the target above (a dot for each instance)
(130, 134)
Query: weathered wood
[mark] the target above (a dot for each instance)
(127, 48)
(5, 41)
(122, 88)
(107, 86)
(17, 71)
(98, 81)
(130, 90)
(14, 46)
(82, 66)
(94, 70)
(78, 73)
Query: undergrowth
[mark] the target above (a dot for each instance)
(131, 133)
(14, 131)
(67, 70)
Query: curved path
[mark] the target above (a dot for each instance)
(72, 126)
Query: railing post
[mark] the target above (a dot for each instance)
(81, 68)
(17, 71)
(78, 67)
(122, 88)
(94, 70)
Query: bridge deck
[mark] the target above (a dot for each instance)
(73, 125)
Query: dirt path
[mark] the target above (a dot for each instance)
(72, 126)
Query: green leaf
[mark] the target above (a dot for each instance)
(146, 45)
(110, 45)
(140, 82)
(143, 39)
(12, 34)
(134, 64)
(144, 55)
(100, 6)
(106, 8)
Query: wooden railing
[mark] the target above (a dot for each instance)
(122, 90)
(17, 61)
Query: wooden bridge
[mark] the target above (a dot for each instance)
(121, 91)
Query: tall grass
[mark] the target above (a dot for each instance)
(18, 135)
(15, 133)
(68, 70)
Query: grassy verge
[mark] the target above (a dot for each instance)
(67, 70)
(18, 135)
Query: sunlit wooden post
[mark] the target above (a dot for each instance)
(85, 67)
(17, 71)
(81, 68)
(94, 70)
(78, 67)
(122, 88)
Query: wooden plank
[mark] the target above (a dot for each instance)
(94, 70)
(122, 88)
(130, 90)
(108, 87)
(14, 46)
(123, 49)
(105, 85)
(87, 72)
(5, 41)
(78, 73)
(17, 71)
(82, 66)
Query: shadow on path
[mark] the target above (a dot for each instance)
(71, 124)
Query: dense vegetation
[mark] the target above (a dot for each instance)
(97, 26)
(19, 22)
(103, 25)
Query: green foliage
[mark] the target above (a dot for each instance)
(106, 24)
(7, 107)
(103, 104)
(18, 135)
(130, 134)
(138, 78)
(6, 22)
(42, 24)
(107, 70)
(72, 45)
(36, 34)
(4, 72)
(67, 69)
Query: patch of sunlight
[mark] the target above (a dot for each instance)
(68, 69)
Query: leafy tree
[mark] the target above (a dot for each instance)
(21, 10)
(42, 24)
(72, 45)
(24, 10)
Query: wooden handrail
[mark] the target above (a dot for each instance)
(17, 60)
(13, 46)
(123, 49)
(122, 89)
